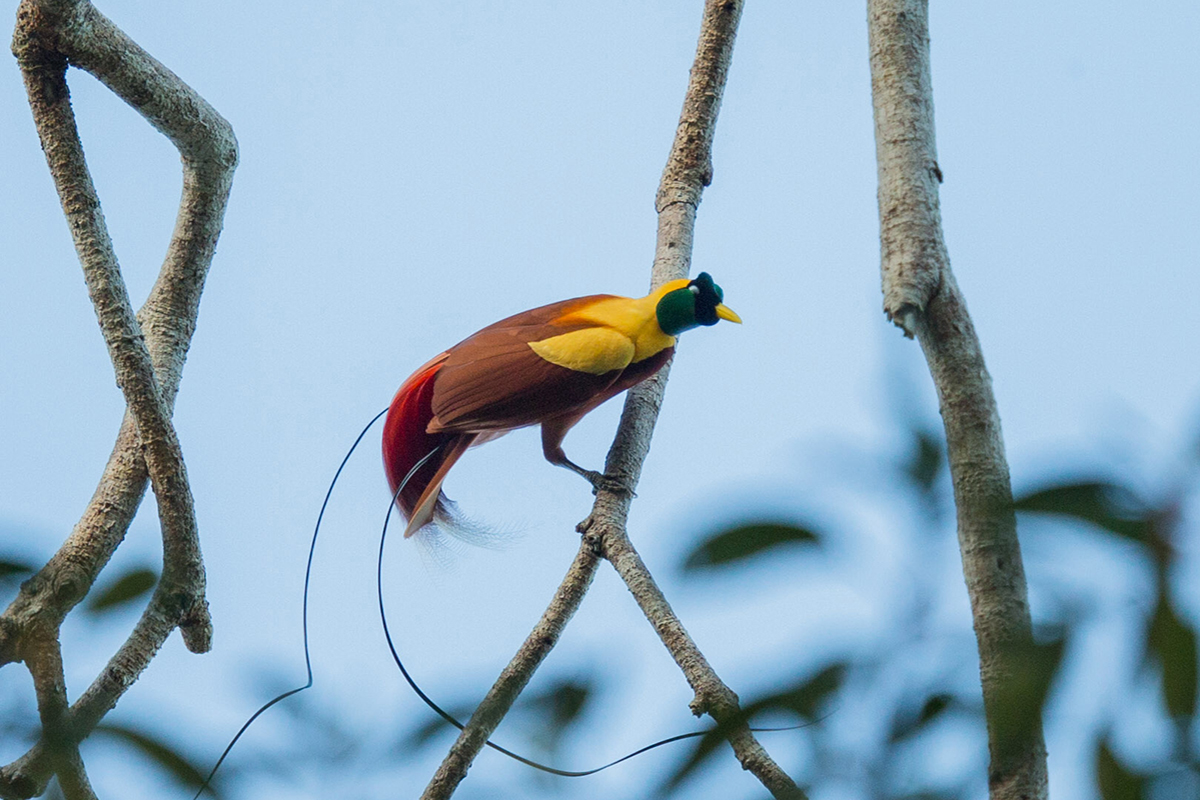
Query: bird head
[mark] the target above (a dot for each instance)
(690, 306)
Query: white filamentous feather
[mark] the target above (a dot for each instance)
(454, 524)
(451, 533)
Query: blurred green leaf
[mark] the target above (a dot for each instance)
(705, 746)
(125, 589)
(745, 541)
(1115, 782)
(805, 697)
(13, 570)
(925, 463)
(556, 708)
(176, 765)
(905, 726)
(1172, 642)
(1031, 667)
(1109, 506)
(424, 733)
(563, 701)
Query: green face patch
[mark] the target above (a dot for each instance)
(690, 307)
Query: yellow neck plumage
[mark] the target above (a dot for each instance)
(619, 331)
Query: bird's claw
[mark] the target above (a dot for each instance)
(598, 480)
(610, 484)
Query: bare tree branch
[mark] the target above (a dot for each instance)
(688, 171)
(55, 122)
(515, 677)
(712, 696)
(922, 297)
(46, 667)
(147, 351)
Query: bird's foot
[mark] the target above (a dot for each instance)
(611, 485)
(598, 480)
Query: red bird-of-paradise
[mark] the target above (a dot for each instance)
(548, 366)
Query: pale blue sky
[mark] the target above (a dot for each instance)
(412, 172)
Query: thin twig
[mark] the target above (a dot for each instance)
(922, 297)
(50, 33)
(516, 676)
(712, 696)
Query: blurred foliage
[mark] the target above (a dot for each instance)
(1024, 694)
(161, 753)
(164, 753)
(876, 718)
(746, 541)
(561, 705)
(128, 586)
(1167, 650)
(1107, 506)
(13, 571)
(1114, 781)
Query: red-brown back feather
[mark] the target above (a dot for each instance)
(487, 384)
(492, 380)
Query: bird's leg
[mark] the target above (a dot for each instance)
(552, 436)
(596, 479)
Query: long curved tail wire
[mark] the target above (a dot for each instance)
(448, 717)
(312, 549)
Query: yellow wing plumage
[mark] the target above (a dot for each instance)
(592, 350)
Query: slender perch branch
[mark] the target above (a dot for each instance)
(688, 171)
(516, 675)
(922, 297)
(712, 696)
(50, 33)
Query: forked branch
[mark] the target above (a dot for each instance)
(147, 351)
(688, 171)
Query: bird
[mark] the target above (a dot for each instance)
(548, 366)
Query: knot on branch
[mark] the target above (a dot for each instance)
(682, 191)
(10, 636)
(719, 702)
(906, 318)
(41, 26)
(195, 627)
(913, 279)
(16, 783)
(68, 586)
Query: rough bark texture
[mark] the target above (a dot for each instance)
(922, 297)
(147, 350)
(688, 171)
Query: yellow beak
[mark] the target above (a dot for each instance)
(725, 312)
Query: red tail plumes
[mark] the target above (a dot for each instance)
(406, 442)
